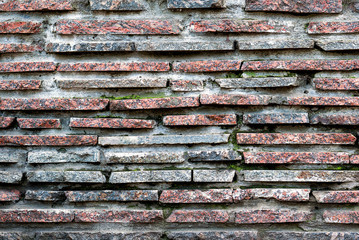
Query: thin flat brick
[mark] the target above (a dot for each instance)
(30, 123)
(189, 4)
(189, 46)
(114, 196)
(9, 195)
(133, 27)
(260, 82)
(43, 140)
(333, 27)
(154, 103)
(208, 66)
(18, 48)
(20, 27)
(336, 83)
(111, 123)
(66, 176)
(35, 5)
(296, 157)
(300, 176)
(306, 6)
(197, 196)
(144, 157)
(276, 118)
(164, 140)
(53, 104)
(272, 216)
(15, 85)
(338, 45)
(186, 85)
(5, 122)
(151, 176)
(200, 120)
(90, 235)
(335, 119)
(282, 235)
(198, 216)
(336, 196)
(44, 196)
(343, 217)
(354, 159)
(115, 67)
(302, 65)
(323, 101)
(238, 26)
(213, 155)
(218, 235)
(119, 216)
(13, 67)
(296, 138)
(275, 44)
(116, 5)
(10, 176)
(90, 47)
(234, 99)
(44, 157)
(11, 156)
(288, 195)
(35, 216)
(213, 175)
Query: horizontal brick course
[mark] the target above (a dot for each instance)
(18, 48)
(30, 123)
(35, 5)
(151, 176)
(110, 195)
(154, 103)
(323, 101)
(276, 118)
(336, 196)
(9, 195)
(14, 85)
(343, 217)
(184, 46)
(197, 196)
(20, 27)
(271, 216)
(275, 44)
(119, 216)
(295, 195)
(338, 45)
(44, 196)
(35, 216)
(220, 235)
(333, 27)
(5, 122)
(184, 4)
(90, 47)
(336, 83)
(335, 119)
(144, 157)
(208, 66)
(10, 176)
(200, 120)
(47, 140)
(111, 123)
(66, 176)
(198, 216)
(14, 67)
(186, 85)
(213, 175)
(234, 99)
(116, 5)
(44, 157)
(115, 67)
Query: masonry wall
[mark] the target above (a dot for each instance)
(179, 119)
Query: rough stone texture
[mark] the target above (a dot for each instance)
(295, 138)
(35, 216)
(135, 27)
(11, 156)
(197, 196)
(184, 46)
(195, 216)
(35, 5)
(238, 26)
(12, 85)
(276, 118)
(282, 235)
(5, 122)
(66, 176)
(45, 196)
(208, 66)
(296, 157)
(111, 123)
(38, 140)
(346, 217)
(339, 45)
(296, 195)
(333, 27)
(154, 103)
(9, 195)
(63, 157)
(10, 176)
(234, 99)
(20, 27)
(109, 195)
(114, 67)
(299, 176)
(151, 176)
(323, 101)
(335, 119)
(306, 6)
(90, 47)
(117, 5)
(18, 48)
(164, 140)
(124, 216)
(354, 159)
(263, 82)
(103, 235)
(29, 123)
(183, 4)
(145, 157)
(200, 120)
(215, 155)
(186, 85)
(218, 235)
(213, 175)
(13, 67)
(275, 44)
(336, 196)
(336, 83)
(271, 216)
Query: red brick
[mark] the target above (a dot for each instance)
(38, 123)
(5, 122)
(154, 103)
(296, 195)
(208, 66)
(323, 101)
(9, 195)
(18, 48)
(336, 83)
(200, 120)
(35, 216)
(302, 65)
(234, 99)
(271, 216)
(11, 85)
(354, 159)
(198, 216)
(333, 27)
(295, 138)
(336, 196)
(296, 158)
(346, 217)
(110, 123)
(115, 67)
(119, 216)
(35, 5)
(197, 196)
(335, 119)
(52, 104)
(20, 27)
(41, 140)
(238, 26)
(132, 27)
(8, 67)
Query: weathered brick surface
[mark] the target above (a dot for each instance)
(344, 217)
(196, 216)
(18, 48)
(9, 195)
(145, 157)
(151, 176)
(234, 99)
(335, 119)
(186, 85)
(5, 122)
(13, 85)
(215, 155)
(35, 5)
(271, 216)
(117, 5)
(10, 176)
(66, 176)
(340, 45)
(35, 216)
(38, 123)
(309, 235)
(197, 196)
(91, 235)
(20, 27)
(110, 123)
(114, 67)
(183, 4)
(90, 47)
(61, 157)
(354, 159)
(42, 140)
(124, 216)
(276, 118)
(336, 83)
(213, 175)
(109, 195)
(323, 101)
(13, 67)
(11, 156)
(333, 27)
(275, 44)
(184, 46)
(44, 196)
(200, 120)
(336, 196)
(296, 195)
(154, 103)
(263, 82)
(208, 66)
(219, 235)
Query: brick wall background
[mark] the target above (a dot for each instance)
(179, 119)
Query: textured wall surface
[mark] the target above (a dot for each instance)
(179, 119)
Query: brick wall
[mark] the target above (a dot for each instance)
(179, 119)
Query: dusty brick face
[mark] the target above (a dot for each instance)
(207, 66)
(44, 196)
(336, 83)
(116, 5)
(154, 103)
(114, 67)
(343, 217)
(197, 196)
(35, 5)
(323, 101)
(335, 119)
(9, 195)
(200, 120)
(333, 27)
(38, 140)
(336, 196)
(196, 216)
(174, 4)
(271, 216)
(110, 123)
(151, 176)
(124, 216)
(220, 235)
(90, 47)
(109, 195)
(234, 99)
(186, 85)
(276, 118)
(29, 123)
(13, 85)
(36, 216)
(295, 195)
(20, 27)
